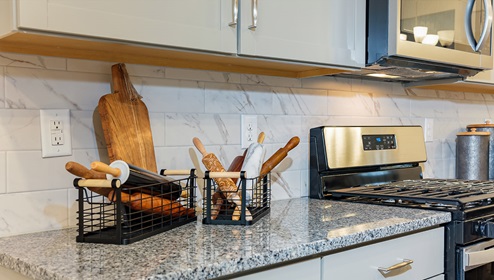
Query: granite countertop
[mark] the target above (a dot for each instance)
(293, 229)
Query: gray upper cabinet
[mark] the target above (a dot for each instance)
(317, 31)
(321, 32)
(192, 24)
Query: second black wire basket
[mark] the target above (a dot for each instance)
(246, 205)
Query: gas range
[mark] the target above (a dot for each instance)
(382, 165)
(456, 196)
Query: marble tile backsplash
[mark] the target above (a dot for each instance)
(36, 194)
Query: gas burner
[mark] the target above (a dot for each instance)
(446, 194)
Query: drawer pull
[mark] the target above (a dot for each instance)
(386, 271)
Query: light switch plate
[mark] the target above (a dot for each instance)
(55, 133)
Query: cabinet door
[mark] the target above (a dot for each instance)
(307, 270)
(425, 249)
(194, 24)
(318, 31)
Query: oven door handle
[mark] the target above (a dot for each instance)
(477, 258)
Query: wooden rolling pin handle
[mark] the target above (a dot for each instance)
(80, 170)
(292, 143)
(277, 157)
(170, 172)
(260, 138)
(225, 174)
(96, 183)
(101, 167)
(199, 146)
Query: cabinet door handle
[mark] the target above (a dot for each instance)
(385, 271)
(486, 30)
(254, 16)
(234, 14)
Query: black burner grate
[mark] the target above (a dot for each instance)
(425, 193)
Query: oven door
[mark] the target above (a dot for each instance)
(476, 261)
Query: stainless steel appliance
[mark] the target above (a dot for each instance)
(381, 165)
(458, 42)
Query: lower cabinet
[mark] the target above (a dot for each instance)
(307, 270)
(9, 274)
(411, 257)
(416, 256)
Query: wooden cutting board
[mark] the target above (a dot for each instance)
(125, 122)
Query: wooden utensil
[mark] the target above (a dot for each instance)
(97, 183)
(226, 185)
(125, 123)
(236, 164)
(277, 157)
(134, 176)
(153, 204)
(80, 170)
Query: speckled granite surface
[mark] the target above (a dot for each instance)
(293, 229)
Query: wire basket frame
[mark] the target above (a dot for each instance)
(132, 213)
(254, 201)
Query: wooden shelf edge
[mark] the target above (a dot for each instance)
(82, 48)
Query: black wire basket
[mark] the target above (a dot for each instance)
(245, 205)
(132, 213)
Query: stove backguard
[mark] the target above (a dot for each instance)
(349, 156)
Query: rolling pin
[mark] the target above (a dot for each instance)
(237, 166)
(135, 176)
(153, 204)
(277, 157)
(80, 170)
(226, 185)
(252, 166)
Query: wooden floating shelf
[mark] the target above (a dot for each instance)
(95, 49)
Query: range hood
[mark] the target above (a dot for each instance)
(394, 54)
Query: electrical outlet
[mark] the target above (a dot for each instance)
(55, 133)
(248, 130)
(57, 139)
(428, 130)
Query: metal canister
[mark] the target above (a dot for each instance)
(472, 155)
(487, 127)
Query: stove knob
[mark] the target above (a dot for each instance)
(484, 229)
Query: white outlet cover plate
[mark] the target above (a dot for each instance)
(248, 137)
(47, 149)
(429, 130)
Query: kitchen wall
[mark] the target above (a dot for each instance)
(36, 194)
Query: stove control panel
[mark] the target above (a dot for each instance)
(379, 142)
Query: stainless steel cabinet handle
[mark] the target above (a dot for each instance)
(235, 14)
(385, 271)
(486, 30)
(254, 16)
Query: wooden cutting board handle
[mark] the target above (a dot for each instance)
(121, 83)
